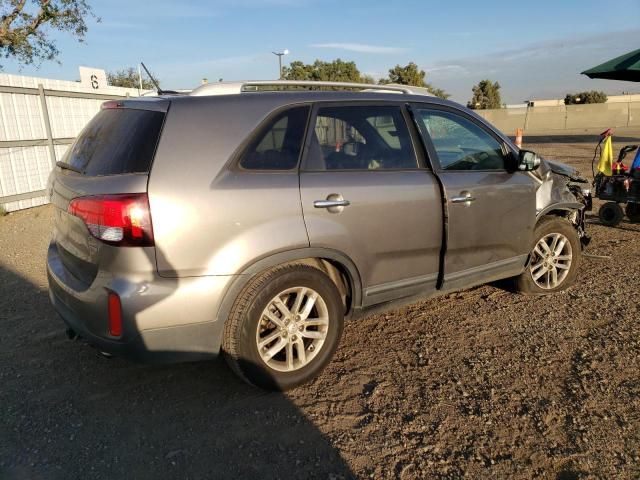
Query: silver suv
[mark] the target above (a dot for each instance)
(238, 220)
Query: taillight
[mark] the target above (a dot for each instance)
(123, 220)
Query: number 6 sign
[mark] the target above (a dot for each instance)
(93, 78)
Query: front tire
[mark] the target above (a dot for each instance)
(284, 327)
(554, 259)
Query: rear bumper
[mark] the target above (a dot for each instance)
(165, 320)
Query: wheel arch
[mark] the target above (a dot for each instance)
(559, 209)
(563, 210)
(560, 217)
(338, 267)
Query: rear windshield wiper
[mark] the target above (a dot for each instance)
(66, 166)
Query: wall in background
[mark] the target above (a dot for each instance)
(39, 118)
(566, 120)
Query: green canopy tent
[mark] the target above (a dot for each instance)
(626, 67)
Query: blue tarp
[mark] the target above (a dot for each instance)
(636, 161)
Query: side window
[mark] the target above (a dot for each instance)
(360, 138)
(460, 143)
(277, 144)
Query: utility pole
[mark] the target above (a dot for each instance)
(139, 80)
(280, 55)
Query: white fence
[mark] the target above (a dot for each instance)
(39, 118)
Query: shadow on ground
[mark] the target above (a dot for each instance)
(67, 412)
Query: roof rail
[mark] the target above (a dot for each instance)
(231, 88)
(154, 93)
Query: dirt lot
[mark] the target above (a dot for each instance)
(478, 384)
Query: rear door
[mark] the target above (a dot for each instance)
(491, 209)
(112, 155)
(366, 194)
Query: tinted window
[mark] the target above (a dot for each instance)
(460, 143)
(360, 138)
(277, 145)
(116, 141)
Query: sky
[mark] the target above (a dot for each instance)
(535, 49)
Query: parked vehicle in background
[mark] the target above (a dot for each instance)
(253, 223)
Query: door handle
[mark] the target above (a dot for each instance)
(334, 203)
(465, 197)
(331, 203)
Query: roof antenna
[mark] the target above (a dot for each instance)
(160, 92)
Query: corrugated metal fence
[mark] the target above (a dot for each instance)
(39, 118)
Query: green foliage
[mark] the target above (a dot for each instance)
(438, 92)
(128, 77)
(336, 71)
(26, 25)
(342, 71)
(407, 75)
(3, 212)
(368, 79)
(411, 75)
(486, 94)
(592, 96)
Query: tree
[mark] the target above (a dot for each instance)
(24, 35)
(592, 96)
(342, 71)
(407, 75)
(128, 77)
(438, 92)
(411, 75)
(366, 78)
(335, 71)
(486, 94)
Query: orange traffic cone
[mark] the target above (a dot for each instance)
(519, 133)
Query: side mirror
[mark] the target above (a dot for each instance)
(528, 161)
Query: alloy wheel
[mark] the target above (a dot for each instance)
(292, 329)
(551, 261)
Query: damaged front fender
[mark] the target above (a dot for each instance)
(562, 191)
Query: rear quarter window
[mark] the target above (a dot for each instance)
(116, 141)
(278, 143)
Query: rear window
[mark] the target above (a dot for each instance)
(116, 141)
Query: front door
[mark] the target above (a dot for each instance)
(491, 209)
(365, 194)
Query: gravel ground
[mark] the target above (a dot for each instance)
(478, 384)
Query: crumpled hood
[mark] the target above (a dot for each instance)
(562, 188)
(555, 187)
(560, 169)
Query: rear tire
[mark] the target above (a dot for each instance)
(633, 212)
(554, 259)
(273, 337)
(610, 214)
